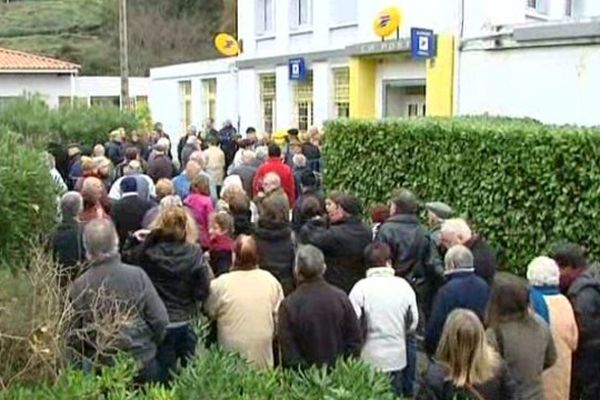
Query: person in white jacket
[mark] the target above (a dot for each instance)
(386, 306)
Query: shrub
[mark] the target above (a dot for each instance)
(523, 185)
(27, 197)
(31, 117)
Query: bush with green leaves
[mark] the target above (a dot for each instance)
(217, 375)
(523, 185)
(31, 117)
(28, 198)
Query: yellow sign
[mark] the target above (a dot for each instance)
(227, 45)
(387, 21)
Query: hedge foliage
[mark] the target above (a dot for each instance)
(27, 197)
(216, 375)
(32, 118)
(524, 185)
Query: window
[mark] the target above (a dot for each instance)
(569, 8)
(539, 6)
(267, 101)
(341, 92)
(78, 102)
(300, 13)
(105, 101)
(137, 101)
(264, 16)
(303, 103)
(185, 90)
(209, 97)
(343, 12)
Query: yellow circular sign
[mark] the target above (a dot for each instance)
(227, 45)
(387, 21)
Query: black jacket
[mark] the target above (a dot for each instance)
(584, 294)
(484, 258)
(343, 245)
(436, 386)
(317, 324)
(274, 242)
(115, 152)
(128, 214)
(297, 220)
(414, 256)
(179, 274)
(67, 248)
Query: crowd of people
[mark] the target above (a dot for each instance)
(240, 231)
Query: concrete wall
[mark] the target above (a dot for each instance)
(553, 84)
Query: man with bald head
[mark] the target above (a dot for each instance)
(110, 293)
(276, 165)
(193, 168)
(271, 188)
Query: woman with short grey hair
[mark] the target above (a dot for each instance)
(547, 301)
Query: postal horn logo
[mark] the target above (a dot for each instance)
(387, 21)
(227, 45)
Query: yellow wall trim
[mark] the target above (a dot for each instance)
(440, 78)
(362, 87)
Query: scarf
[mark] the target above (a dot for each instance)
(536, 294)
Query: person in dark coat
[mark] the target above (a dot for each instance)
(67, 244)
(228, 142)
(274, 240)
(160, 166)
(178, 270)
(437, 213)
(317, 324)
(114, 148)
(309, 188)
(457, 231)
(74, 168)
(581, 283)
(220, 246)
(414, 253)
(299, 168)
(464, 289)
(343, 243)
(192, 131)
(465, 365)
(128, 212)
(246, 170)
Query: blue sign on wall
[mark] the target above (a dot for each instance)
(297, 69)
(422, 43)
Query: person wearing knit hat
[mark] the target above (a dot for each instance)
(437, 213)
(128, 212)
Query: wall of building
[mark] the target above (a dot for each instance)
(50, 87)
(552, 84)
(87, 86)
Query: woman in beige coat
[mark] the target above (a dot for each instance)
(543, 276)
(244, 302)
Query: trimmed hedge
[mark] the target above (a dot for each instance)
(32, 118)
(524, 185)
(27, 198)
(216, 375)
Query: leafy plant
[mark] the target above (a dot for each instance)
(524, 185)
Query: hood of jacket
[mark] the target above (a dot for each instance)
(175, 257)
(589, 279)
(272, 231)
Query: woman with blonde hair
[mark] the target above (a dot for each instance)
(176, 266)
(465, 365)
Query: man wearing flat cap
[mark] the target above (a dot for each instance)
(437, 213)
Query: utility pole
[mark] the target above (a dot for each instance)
(124, 54)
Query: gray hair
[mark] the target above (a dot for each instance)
(100, 239)
(261, 153)
(248, 156)
(273, 179)
(543, 271)
(458, 258)
(310, 262)
(134, 166)
(458, 227)
(192, 140)
(170, 201)
(71, 204)
(299, 160)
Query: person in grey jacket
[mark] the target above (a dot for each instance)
(115, 306)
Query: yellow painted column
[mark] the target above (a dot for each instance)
(440, 78)
(362, 87)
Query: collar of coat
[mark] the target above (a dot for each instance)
(404, 218)
(380, 272)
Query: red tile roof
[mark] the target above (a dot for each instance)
(12, 60)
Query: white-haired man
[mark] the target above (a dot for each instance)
(456, 231)
(246, 170)
(317, 324)
(159, 164)
(146, 189)
(67, 246)
(299, 167)
(110, 291)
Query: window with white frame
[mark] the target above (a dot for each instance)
(341, 92)
(300, 13)
(303, 103)
(267, 101)
(209, 97)
(539, 6)
(185, 90)
(343, 12)
(265, 12)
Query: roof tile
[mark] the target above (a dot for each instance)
(18, 60)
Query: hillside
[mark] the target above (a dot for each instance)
(86, 31)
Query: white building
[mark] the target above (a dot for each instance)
(58, 83)
(536, 58)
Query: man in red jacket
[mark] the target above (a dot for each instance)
(275, 164)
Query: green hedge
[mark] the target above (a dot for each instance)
(32, 118)
(524, 185)
(216, 375)
(27, 198)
